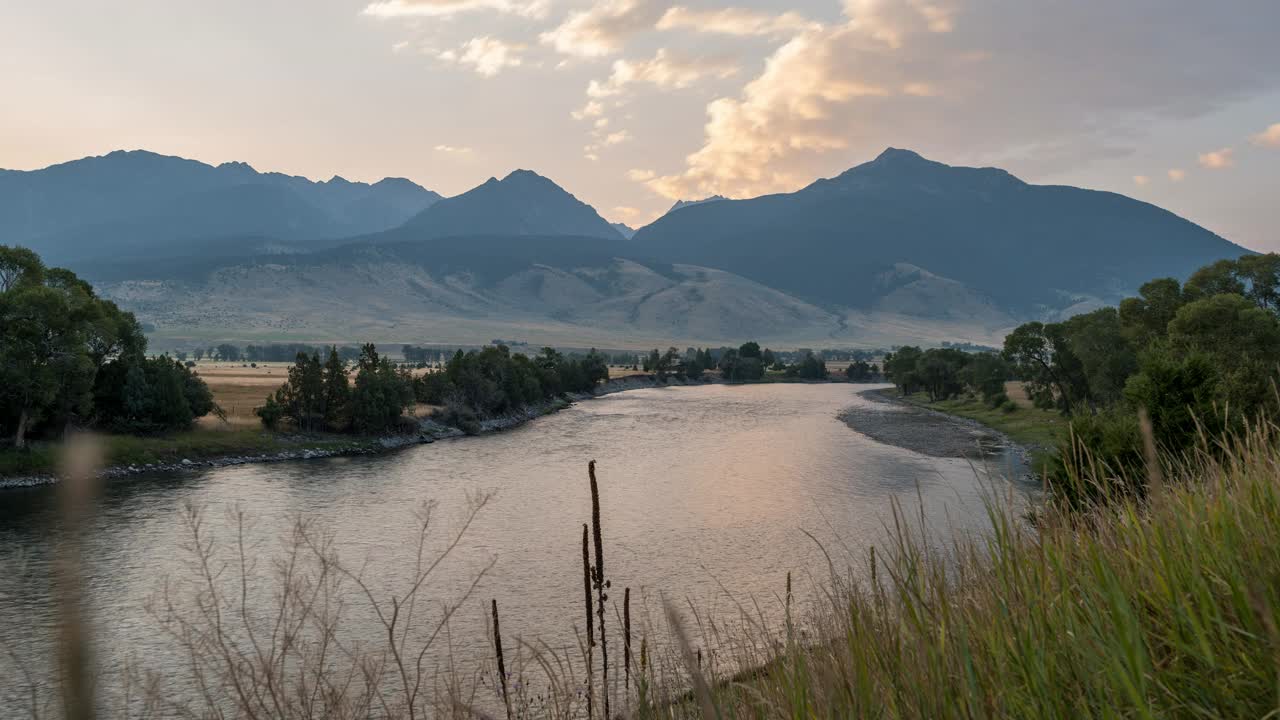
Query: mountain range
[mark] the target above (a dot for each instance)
(140, 204)
(899, 249)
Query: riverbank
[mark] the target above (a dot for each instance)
(960, 428)
(889, 420)
(210, 448)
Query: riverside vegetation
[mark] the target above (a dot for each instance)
(1199, 359)
(1164, 605)
(71, 359)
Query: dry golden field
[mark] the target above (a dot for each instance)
(238, 389)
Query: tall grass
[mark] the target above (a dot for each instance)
(1164, 605)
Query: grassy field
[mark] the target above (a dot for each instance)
(239, 389)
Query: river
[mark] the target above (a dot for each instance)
(705, 496)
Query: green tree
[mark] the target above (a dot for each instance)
(380, 395)
(939, 371)
(809, 367)
(1105, 354)
(45, 370)
(1241, 340)
(1220, 278)
(1052, 374)
(900, 368)
(337, 392)
(859, 371)
(986, 374)
(1262, 273)
(1146, 317)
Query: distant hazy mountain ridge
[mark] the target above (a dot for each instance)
(897, 250)
(1027, 247)
(141, 203)
(522, 203)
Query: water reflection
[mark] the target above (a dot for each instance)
(705, 492)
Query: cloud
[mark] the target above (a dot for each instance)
(890, 21)
(734, 21)
(444, 8)
(664, 70)
(453, 149)
(593, 108)
(603, 29)
(614, 138)
(487, 55)
(1141, 180)
(780, 113)
(1218, 159)
(1268, 138)
(919, 89)
(638, 175)
(1177, 175)
(976, 83)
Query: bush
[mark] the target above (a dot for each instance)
(1102, 458)
(271, 412)
(997, 401)
(462, 417)
(1008, 406)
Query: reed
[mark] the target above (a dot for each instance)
(626, 640)
(502, 663)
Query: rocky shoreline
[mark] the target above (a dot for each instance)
(429, 431)
(928, 432)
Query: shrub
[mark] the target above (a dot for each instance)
(271, 412)
(462, 417)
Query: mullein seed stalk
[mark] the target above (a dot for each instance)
(591, 641)
(600, 584)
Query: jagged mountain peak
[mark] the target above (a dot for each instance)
(688, 203)
(521, 203)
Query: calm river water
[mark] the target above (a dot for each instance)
(705, 492)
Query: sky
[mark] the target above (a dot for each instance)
(631, 104)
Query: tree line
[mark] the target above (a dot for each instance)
(1198, 358)
(69, 358)
(745, 363)
(493, 381)
(322, 396)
